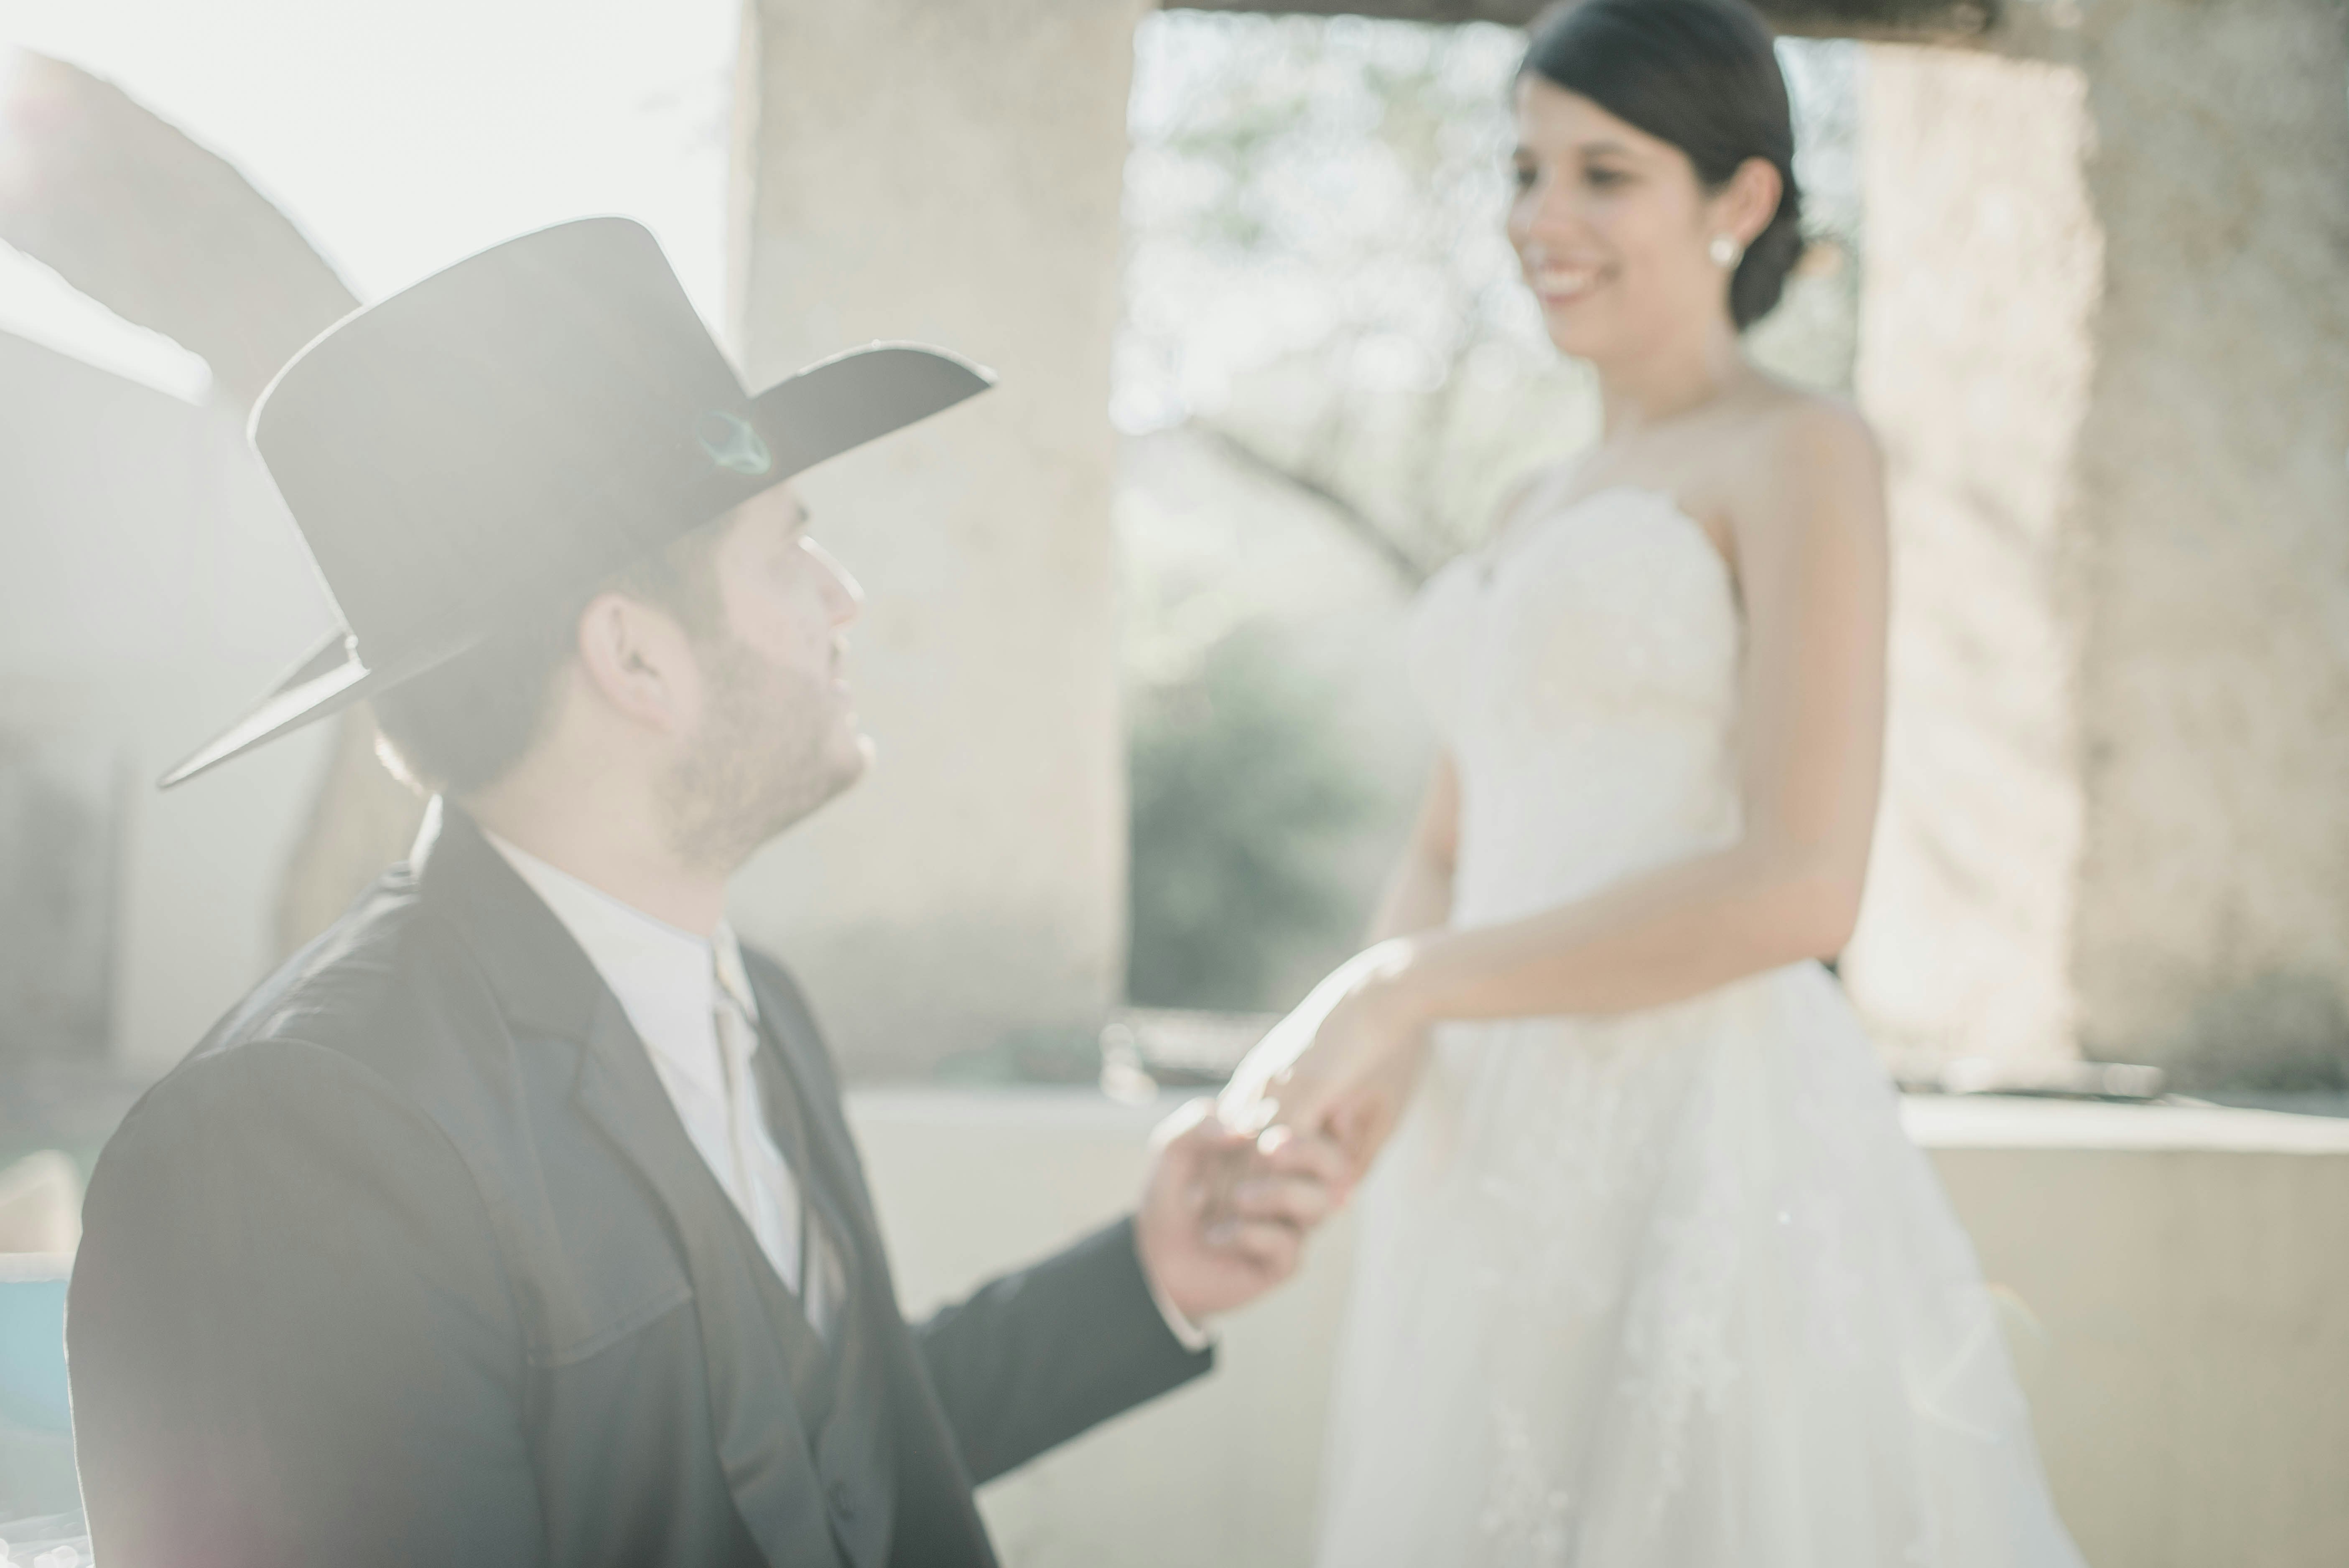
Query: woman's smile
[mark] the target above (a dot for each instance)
(1560, 283)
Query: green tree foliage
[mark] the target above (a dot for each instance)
(1320, 289)
(1244, 789)
(1318, 274)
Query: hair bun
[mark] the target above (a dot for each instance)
(1761, 277)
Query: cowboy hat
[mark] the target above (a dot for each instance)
(503, 435)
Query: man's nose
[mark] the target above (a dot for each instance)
(847, 594)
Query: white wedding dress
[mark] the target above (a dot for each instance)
(1669, 1289)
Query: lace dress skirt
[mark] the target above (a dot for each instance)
(1673, 1290)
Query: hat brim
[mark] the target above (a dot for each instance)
(331, 679)
(839, 403)
(830, 407)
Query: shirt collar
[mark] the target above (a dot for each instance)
(664, 976)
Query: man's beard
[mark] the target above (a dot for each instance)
(761, 760)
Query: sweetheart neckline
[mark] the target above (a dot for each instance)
(1491, 556)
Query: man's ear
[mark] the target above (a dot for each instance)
(639, 662)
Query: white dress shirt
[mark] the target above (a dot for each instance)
(689, 1001)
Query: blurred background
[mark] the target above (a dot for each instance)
(1134, 655)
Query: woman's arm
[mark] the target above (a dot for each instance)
(1417, 899)
(1418, 893)
(1811, 546)
(1810, 537)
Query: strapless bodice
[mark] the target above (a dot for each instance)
(1583, 673)
(1666, 1285)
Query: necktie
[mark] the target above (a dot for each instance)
(788, 1231)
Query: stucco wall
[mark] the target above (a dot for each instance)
(2105, 323)
(2213, 477)
(1976, 363)
(951, 173)
(2182, 1268)
(154, 586)
(2185, 1368)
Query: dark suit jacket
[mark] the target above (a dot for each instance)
(411, 1261)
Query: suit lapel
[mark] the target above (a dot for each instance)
(545, 984)
(938, 1519)
(761, 1438)
(828, 1172)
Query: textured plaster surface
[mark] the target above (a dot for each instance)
(2105, 334)
(951, 173)
(2213, 476)
(2171, 1308)
(154, 584)
(1976, 363)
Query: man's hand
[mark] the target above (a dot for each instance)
(1225, 1213)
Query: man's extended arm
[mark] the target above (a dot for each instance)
(1036, 1357)
(1033, 1359)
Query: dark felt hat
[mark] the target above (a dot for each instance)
(510, 432)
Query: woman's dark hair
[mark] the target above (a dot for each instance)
(1701, 75)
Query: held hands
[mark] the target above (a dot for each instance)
(1341, 1065)
(1236, 1183)
(1225, 1213)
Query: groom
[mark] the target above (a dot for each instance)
(516, 1220)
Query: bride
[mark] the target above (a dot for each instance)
(1648, 1275)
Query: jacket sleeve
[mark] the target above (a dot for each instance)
(289, 1333)
(1035, 1358)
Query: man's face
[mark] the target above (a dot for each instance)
(776, 734)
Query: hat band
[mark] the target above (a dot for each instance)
(732, 444)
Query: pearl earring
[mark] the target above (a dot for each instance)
(1725, 251)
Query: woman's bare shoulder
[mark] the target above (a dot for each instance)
(1797, 425)
(1801, 459)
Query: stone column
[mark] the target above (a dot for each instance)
(951, 173)
(2106, 336)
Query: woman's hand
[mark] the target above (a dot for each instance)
(1364, 1117)
(1342, 1062)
